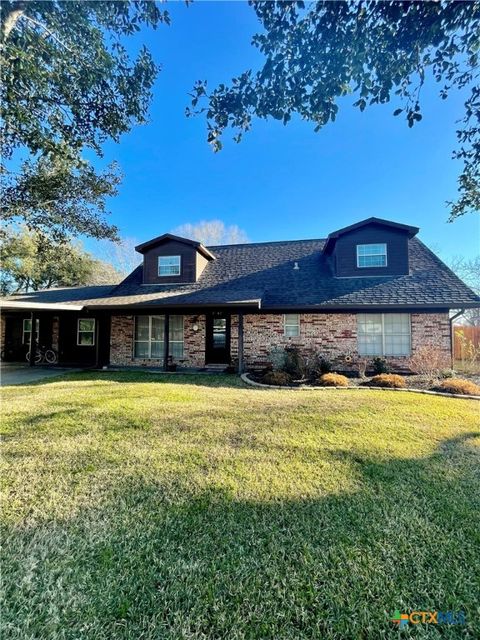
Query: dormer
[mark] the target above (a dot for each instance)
(171, 259)
(373, 247)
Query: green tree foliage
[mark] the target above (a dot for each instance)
(30, 262)
(67, 86)
(316, 53)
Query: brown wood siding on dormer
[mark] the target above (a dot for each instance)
(345, 252)
(188, 263)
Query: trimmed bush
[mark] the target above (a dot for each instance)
(278, 378)
(379, 366)
(333, 380)
(295, 364)
(389, 380)
(460, 386)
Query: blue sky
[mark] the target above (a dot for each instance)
(279, 182)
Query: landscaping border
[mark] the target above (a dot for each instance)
(245, 377)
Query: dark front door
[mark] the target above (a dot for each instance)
(217, 348)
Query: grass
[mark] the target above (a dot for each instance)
(148, 507)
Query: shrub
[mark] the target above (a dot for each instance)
(362, 364)
(277, 358)
(446, 373)
(295, 364)
(325, 366)
(316, 365)
(390, 380)
(333, 380)
(428, 361)
(459, 386)
(380, 366)
(280, 378)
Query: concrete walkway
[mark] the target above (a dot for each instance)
(23, 374)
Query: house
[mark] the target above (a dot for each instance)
(369, 289)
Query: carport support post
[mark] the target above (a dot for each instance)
(33, 341)
(166, 341)
(240, 342)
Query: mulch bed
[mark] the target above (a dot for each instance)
(412, 381)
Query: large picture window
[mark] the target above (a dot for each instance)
(27, 330)
(169, 265)
(149, 333)
(384, 334)
(371, 255)
(291, 325)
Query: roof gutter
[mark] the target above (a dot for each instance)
(39, 306)
(247, 304)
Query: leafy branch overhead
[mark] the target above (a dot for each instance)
(379, 52)
(68, 85)
(30, 261)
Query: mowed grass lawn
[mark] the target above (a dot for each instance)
(146, 507)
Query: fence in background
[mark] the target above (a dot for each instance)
(463, 343)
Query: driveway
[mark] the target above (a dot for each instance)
(24, 374)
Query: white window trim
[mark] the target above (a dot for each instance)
(149, 341)
(24, 331)
(170, 275)
(285, 325)
(79, 344)
(366, 255)
(390, 355)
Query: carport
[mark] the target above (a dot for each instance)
(71, 330)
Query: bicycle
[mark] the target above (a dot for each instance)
(42, 355)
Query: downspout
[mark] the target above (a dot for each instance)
(452, 340)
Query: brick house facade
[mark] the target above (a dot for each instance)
(333, 336)
(370, 289)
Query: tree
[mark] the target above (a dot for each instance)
(30, 262)
(212, 232)
(121, 254)
(469, 271)
(378, 52)
(67, 86)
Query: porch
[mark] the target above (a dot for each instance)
(77, 339)
(211, 341)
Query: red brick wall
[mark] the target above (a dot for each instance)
(55, 332)
(121, 343)
(335, 336)
(332, 335)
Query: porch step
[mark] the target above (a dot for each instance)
(215, 368)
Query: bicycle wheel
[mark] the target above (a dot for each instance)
(38, 357)
(50, 356)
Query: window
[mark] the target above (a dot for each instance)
(169, 265)
(291, 325)
(371, 255)
(27, 330)
(86, 332)
(149, 332)
(383, 334)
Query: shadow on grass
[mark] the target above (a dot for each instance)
(144, 377)
(162, 561)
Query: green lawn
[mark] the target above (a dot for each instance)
(147, 507)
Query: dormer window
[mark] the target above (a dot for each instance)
(371, 255)
(169, 265)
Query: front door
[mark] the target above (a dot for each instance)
(217, 348)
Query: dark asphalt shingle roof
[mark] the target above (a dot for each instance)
(262, 274)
